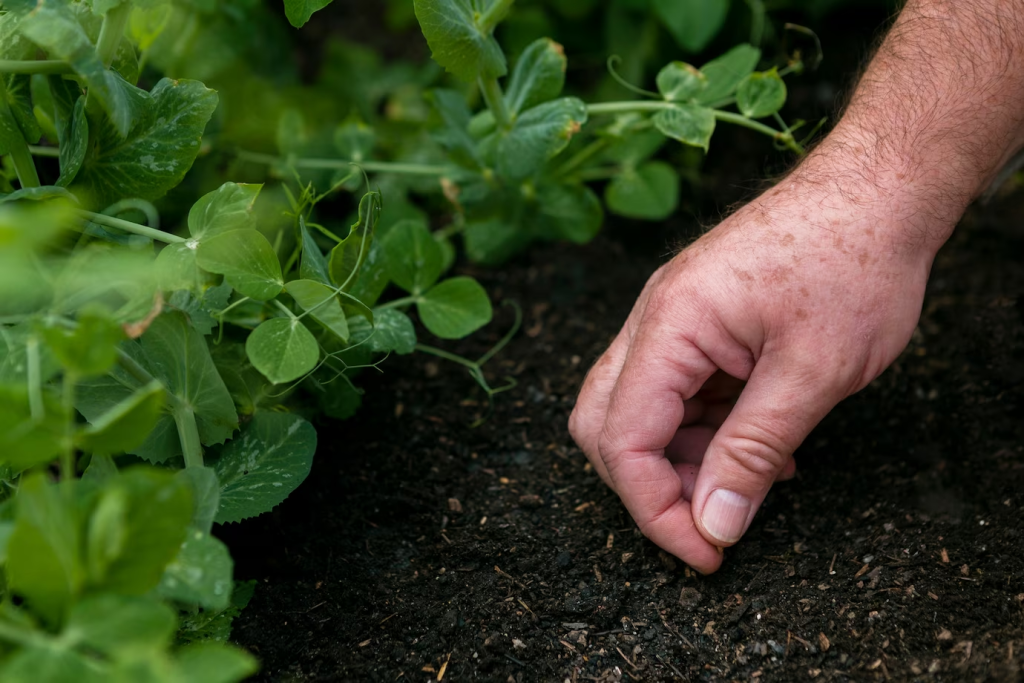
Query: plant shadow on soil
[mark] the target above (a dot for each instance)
(419, 545)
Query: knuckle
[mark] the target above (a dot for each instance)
(762, 457)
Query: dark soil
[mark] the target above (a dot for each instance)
(420, 547)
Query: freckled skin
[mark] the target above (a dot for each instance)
(743, 342)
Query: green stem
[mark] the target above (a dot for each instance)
(490, 19)
(22, 636)
(341, 164)
(188, 433)
(140, 375)
(34, 378)
(67, 456)
(286, 310)
(134, 228)
(440, 353)
(582, 157)
(29, 67)
(38, 151)
(398, 303)
(495, 100)
(114, 23)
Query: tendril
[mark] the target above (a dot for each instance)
(615, 60)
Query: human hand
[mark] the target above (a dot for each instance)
(806, 294)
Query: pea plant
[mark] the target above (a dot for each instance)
(520, 167)
(154, 383)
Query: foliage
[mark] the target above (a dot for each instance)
(156, 383)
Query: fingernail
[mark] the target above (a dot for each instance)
(725, 515)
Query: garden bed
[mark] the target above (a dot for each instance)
(421, 548)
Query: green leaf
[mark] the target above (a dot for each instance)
(391, 331)
(455, 308)
(493, 241)
(726, 72)
(72, 132)
(414, 257)
(19, 123)
(693, 23)
(158, 150)
(202, 481)
(215, 663)
(299, 11)
(55, 27)
(259, 469)
(455, 135)
(157, 509)
(215, 625)
(680, 82)
(89, 349)
(539, 76)
(456, 40)
(176, 268)
(322, 303)
(120, 626)
(354, 140)
(125, 426)
(650, 192)
(571, 212)
(200, 574)
(247, 261)
(291, 135)
(282, 349)
(688, 123)
(538, 135)
(635, 148)
(349, 255)
(314, 265)
(43, 563)
(176, 354)
(761, 94)
(26, 442)
(39, 663)
(228, 208)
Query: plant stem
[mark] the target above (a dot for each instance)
(341, 164)
(134, 228)
(582, 157)
(440, 353)
(397, 303)
(490, 19)
(114, 22)
(67, 456)
(34, 66)
(34, 378)
(495, 100)
(725, 116)
(38, 151)
(22, 158)
(188, 433)
(286, 310)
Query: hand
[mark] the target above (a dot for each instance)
(805, 295)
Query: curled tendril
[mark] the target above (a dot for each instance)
(818, 52)
(613, 62)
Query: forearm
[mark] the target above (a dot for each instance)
(937, 113)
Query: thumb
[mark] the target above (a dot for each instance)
(776, 411)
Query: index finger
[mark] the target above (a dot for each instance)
(644, 413)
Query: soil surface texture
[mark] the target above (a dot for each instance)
(423, 549)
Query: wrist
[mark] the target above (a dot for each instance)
(910, 200)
